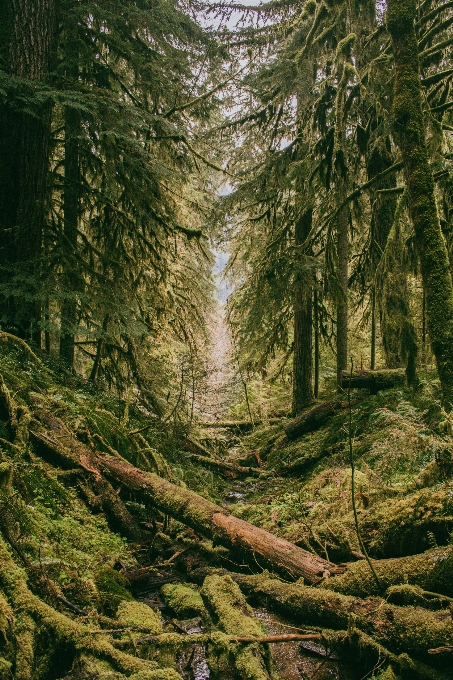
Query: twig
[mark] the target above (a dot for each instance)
(197, 637)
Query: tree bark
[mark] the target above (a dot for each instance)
(24, 160)
(409, 128)
(248, 541)
(71, 221)
(303, 326)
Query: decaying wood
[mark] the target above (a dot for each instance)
(374, 380)
(312, 419)
(430, 570)
(410, 630)
(229, 609)
(223, 466)
(258, 546)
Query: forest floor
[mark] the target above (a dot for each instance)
(112, 565)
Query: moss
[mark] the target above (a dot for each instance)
(430, 571)
(111, 585)
(227, 604)
(158, 674)
(184, 601)
(139, 615)
(345, 46)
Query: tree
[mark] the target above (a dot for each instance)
(409, 128)
(28, 32)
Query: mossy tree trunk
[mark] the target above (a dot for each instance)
(409, 128)
(28, 33)
(303, 324)
(72, 186)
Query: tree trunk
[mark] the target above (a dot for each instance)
(303, 325)
(317, 348)
(71, 221)
(409, 130)
(382, 217)
(246, 540)
(24, 158)
(343, 276)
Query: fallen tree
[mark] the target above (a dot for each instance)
(55, 442)
(231, 612)
(311, 420)
(374, 380)
(410, 630)
(430, 570)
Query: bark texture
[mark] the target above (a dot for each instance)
(24, 156)
(409, 129)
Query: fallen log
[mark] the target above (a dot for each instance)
(311, 420)
(256, 545)
(239, 425)
(229, 609)
(223, 466)
(374, 380)
(410, 630)
(431, 571)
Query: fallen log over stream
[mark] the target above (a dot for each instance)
(54, 441)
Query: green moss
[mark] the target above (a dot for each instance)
(184, 601)
(139, 615)
(111, 585)
(158, 674)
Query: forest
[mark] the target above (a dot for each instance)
(226, 339)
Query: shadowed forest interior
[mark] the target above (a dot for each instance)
(226, 339)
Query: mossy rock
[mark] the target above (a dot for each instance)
(112, 590)
(184, 601)
(139, 615)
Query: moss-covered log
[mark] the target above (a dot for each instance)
(409, 129)
(409, 525)
(70, 639)
(431, 571)
(248, 541)
(224, 467)
(410, 630)
(374, 380)
(311, 420)
(229, 609)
